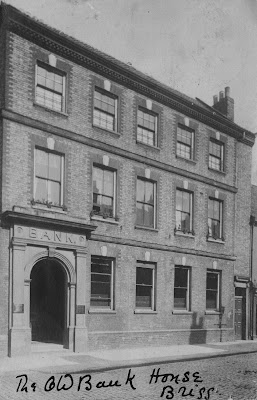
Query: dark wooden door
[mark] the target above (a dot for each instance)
(239, 317)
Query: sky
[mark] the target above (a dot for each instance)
(195, 46)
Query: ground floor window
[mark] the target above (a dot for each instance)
(145, 286)
(102, 282)
(213, 279)
(181, 288)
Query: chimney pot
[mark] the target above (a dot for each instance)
(221, 95)
(227, 91)
(215, 99)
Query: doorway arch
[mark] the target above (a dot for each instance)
(48, 294)
(59, 267)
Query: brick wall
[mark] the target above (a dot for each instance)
(79, 119)
(130, 244)
(243, 210)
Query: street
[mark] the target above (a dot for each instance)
(214, 378)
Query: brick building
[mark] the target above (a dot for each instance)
(252, 285)
(118, 200)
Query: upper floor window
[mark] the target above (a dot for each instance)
(215, 222)
(145, 286)
(146, 127)
(216, 155)
(50, 87)
(48, 183)
(185, 142)
(105, 110)
(146, 203)
(184, 211)
(102, 282)
(213, 290)
(104, 191)
(181, 288)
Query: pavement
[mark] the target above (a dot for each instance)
(54, 359)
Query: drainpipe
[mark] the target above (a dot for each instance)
(252, 222)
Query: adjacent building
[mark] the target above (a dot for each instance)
(124, 204)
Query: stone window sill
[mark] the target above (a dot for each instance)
(189, 160)
(217, 170)
(115, 133)
(187, 235)
(108, 220)
(101, 311)
(146, 228)
(219, 241)
(58, 210)
(64, 114)
(148, 146)
(212, 312)
(182, 312)
(142, 311)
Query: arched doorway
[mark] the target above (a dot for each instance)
(48, 301)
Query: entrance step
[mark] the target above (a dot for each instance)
(40, 347)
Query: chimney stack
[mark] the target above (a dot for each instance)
(225, 105)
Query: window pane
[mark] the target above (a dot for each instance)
(181, 277)
(148, 215)
(216, 211)
(41, 189)
(180, 298)
(140, 190)
(54, 167)
(211, 299)
(212, 281)
(144, 276)
(179, 200)
(143, 296)
(210, 208)
(185, 222)
(97, 180)
(140, 214)
(149, 192)
(41, 163)
(178, 220)
(54, 192)
(186, 201)
(108, 183)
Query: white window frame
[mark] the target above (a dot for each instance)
(178, 267)
(222, 145)
(58, 72)
(115, 98)
(153, 114)
(102, 167)
(154, 204)
(218, 299)
(153, 294)
(111, 285)
(192, 131)
(62, 176)
(190, 209)
(221, 204)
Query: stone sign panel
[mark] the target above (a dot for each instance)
(48, 235)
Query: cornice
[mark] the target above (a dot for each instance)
(54, 130)
(11, 217)
(161, 247)
(92, 59)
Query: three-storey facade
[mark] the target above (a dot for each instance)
(118, 201)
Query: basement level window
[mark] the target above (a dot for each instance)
(50, 87)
